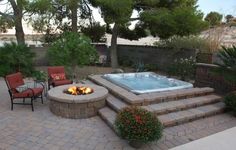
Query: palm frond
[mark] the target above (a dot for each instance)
(228, 68)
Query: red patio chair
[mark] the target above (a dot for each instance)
(14, 81)
(57, 77)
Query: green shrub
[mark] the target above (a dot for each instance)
(135, 123)
(139, 66)
(16, 57)
(151, 67)
(184, 68)
(186, 42)
(204, 58)
(125, 61)
(40, 75)
(72, 50)
(230, 102)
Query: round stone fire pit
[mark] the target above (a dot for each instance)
(76, 106)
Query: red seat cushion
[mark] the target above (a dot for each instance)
(28, 93)
(61, 82)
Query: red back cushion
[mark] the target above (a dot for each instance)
(55, 69)
(14, 80)
(58, 76)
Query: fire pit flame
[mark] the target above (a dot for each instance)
(74, 90)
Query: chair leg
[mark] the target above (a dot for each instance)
(42, 98)
(32, 104)
(11, 104)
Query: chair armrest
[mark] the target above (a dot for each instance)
(11, 90)
(31, 90)
(43, 86)
(12, 93)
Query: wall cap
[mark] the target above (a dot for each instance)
(207, 65)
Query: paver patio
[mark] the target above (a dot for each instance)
(24, 129)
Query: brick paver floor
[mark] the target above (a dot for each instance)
(24, 129)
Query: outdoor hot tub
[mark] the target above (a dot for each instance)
(146, 82)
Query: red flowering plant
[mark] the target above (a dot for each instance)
(138, 124)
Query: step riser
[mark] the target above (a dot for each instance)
(185, 120)
(118, 107)
(185, 107)
(168, 99)
(157, 101)
(112, 107)
(111, 125)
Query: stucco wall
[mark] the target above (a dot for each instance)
(162, 57)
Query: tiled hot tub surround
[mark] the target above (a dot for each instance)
(76, 106)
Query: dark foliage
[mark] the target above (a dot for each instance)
(16, 57)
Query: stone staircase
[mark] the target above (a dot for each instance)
(171, 108)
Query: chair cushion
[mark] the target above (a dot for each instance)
(21, 88)
(58, 76)
(28, 93)
(55, 69)
(14, 80)
(61, 82)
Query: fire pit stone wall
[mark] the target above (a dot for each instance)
(76, 106)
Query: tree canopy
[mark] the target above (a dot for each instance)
(228, 18)
(163, 18)
(214, 18)
(48, 13)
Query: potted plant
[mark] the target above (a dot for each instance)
(138, 126)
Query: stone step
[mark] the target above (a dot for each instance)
(172, 106)
(115, 103)
(180, 117)
(108, 115)
(153, 98)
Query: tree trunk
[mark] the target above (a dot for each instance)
(114, 60)
(74, 16)
(18, 8)
(20, 36)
